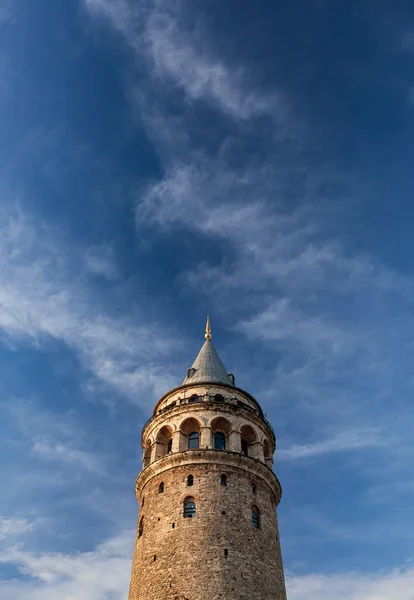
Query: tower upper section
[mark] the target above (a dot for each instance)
(208, 412)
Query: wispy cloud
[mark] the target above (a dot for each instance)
(179, 55)
(343, 442)
(96, 575)
(60, 453)
(11, 527)
(397, 584)
(43, 297)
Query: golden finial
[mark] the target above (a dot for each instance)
(208, 329)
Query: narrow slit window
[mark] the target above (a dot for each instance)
(190, 480)
(161, 488)
(254, 488)
(141, 527)
(223, 480)
(256, 517)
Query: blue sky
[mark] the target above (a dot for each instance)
(163, 160)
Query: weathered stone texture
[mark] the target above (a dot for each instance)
(219, 554)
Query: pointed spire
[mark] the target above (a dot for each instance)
(207, 367)
(208, 329)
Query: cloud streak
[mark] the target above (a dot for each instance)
(343, 442)
(44, 298)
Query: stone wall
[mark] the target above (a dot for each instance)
(218, 554)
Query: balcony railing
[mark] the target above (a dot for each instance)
(218, 399)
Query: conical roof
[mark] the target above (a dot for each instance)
(207, 367)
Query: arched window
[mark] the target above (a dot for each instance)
(248, 439)
(223, 480)
(189, 508)
(219, 440)
(190, 480)
(169, 446)
(194, 398)
(245, 447)
(163, 440)
(161, 488)
(218, 398)
(256, 517)
(193, 440)
(141, 527)
(254, 488)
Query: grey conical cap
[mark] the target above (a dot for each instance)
(208, 368)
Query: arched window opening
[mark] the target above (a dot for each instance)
(189, 434)
(141, 527)
(164, 441)
(248, 438)
(193, 440)
(223, 480)
(218, 398)
(194, 398)
(220, 428)
(189, 508)
(169, 446)
(254, 488)
(190, 480)
(219, 440)
(256, 517)
(161, 488)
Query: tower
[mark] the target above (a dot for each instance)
(207, 525)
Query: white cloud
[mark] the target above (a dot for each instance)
(44, 297)
(102, 574)
(343, 441)
(15, 526)
(156, 31)
(396, 585)
(72, 456)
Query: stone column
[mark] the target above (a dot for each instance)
(205, 437)
(234, 441)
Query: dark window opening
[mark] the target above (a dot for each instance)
(219, 441)
(173, 525)
(190, 480)
(141, 527)
(245, 447)
(194, 398)
(255, 517)
(169, 446)
(193, 440)
(254, 488)
(218, 398)
(226, 552)
(189, 508)
(161, 488)
(223, 512)
(223, 480)
(155, 557)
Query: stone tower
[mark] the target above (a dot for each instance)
(207, 525)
